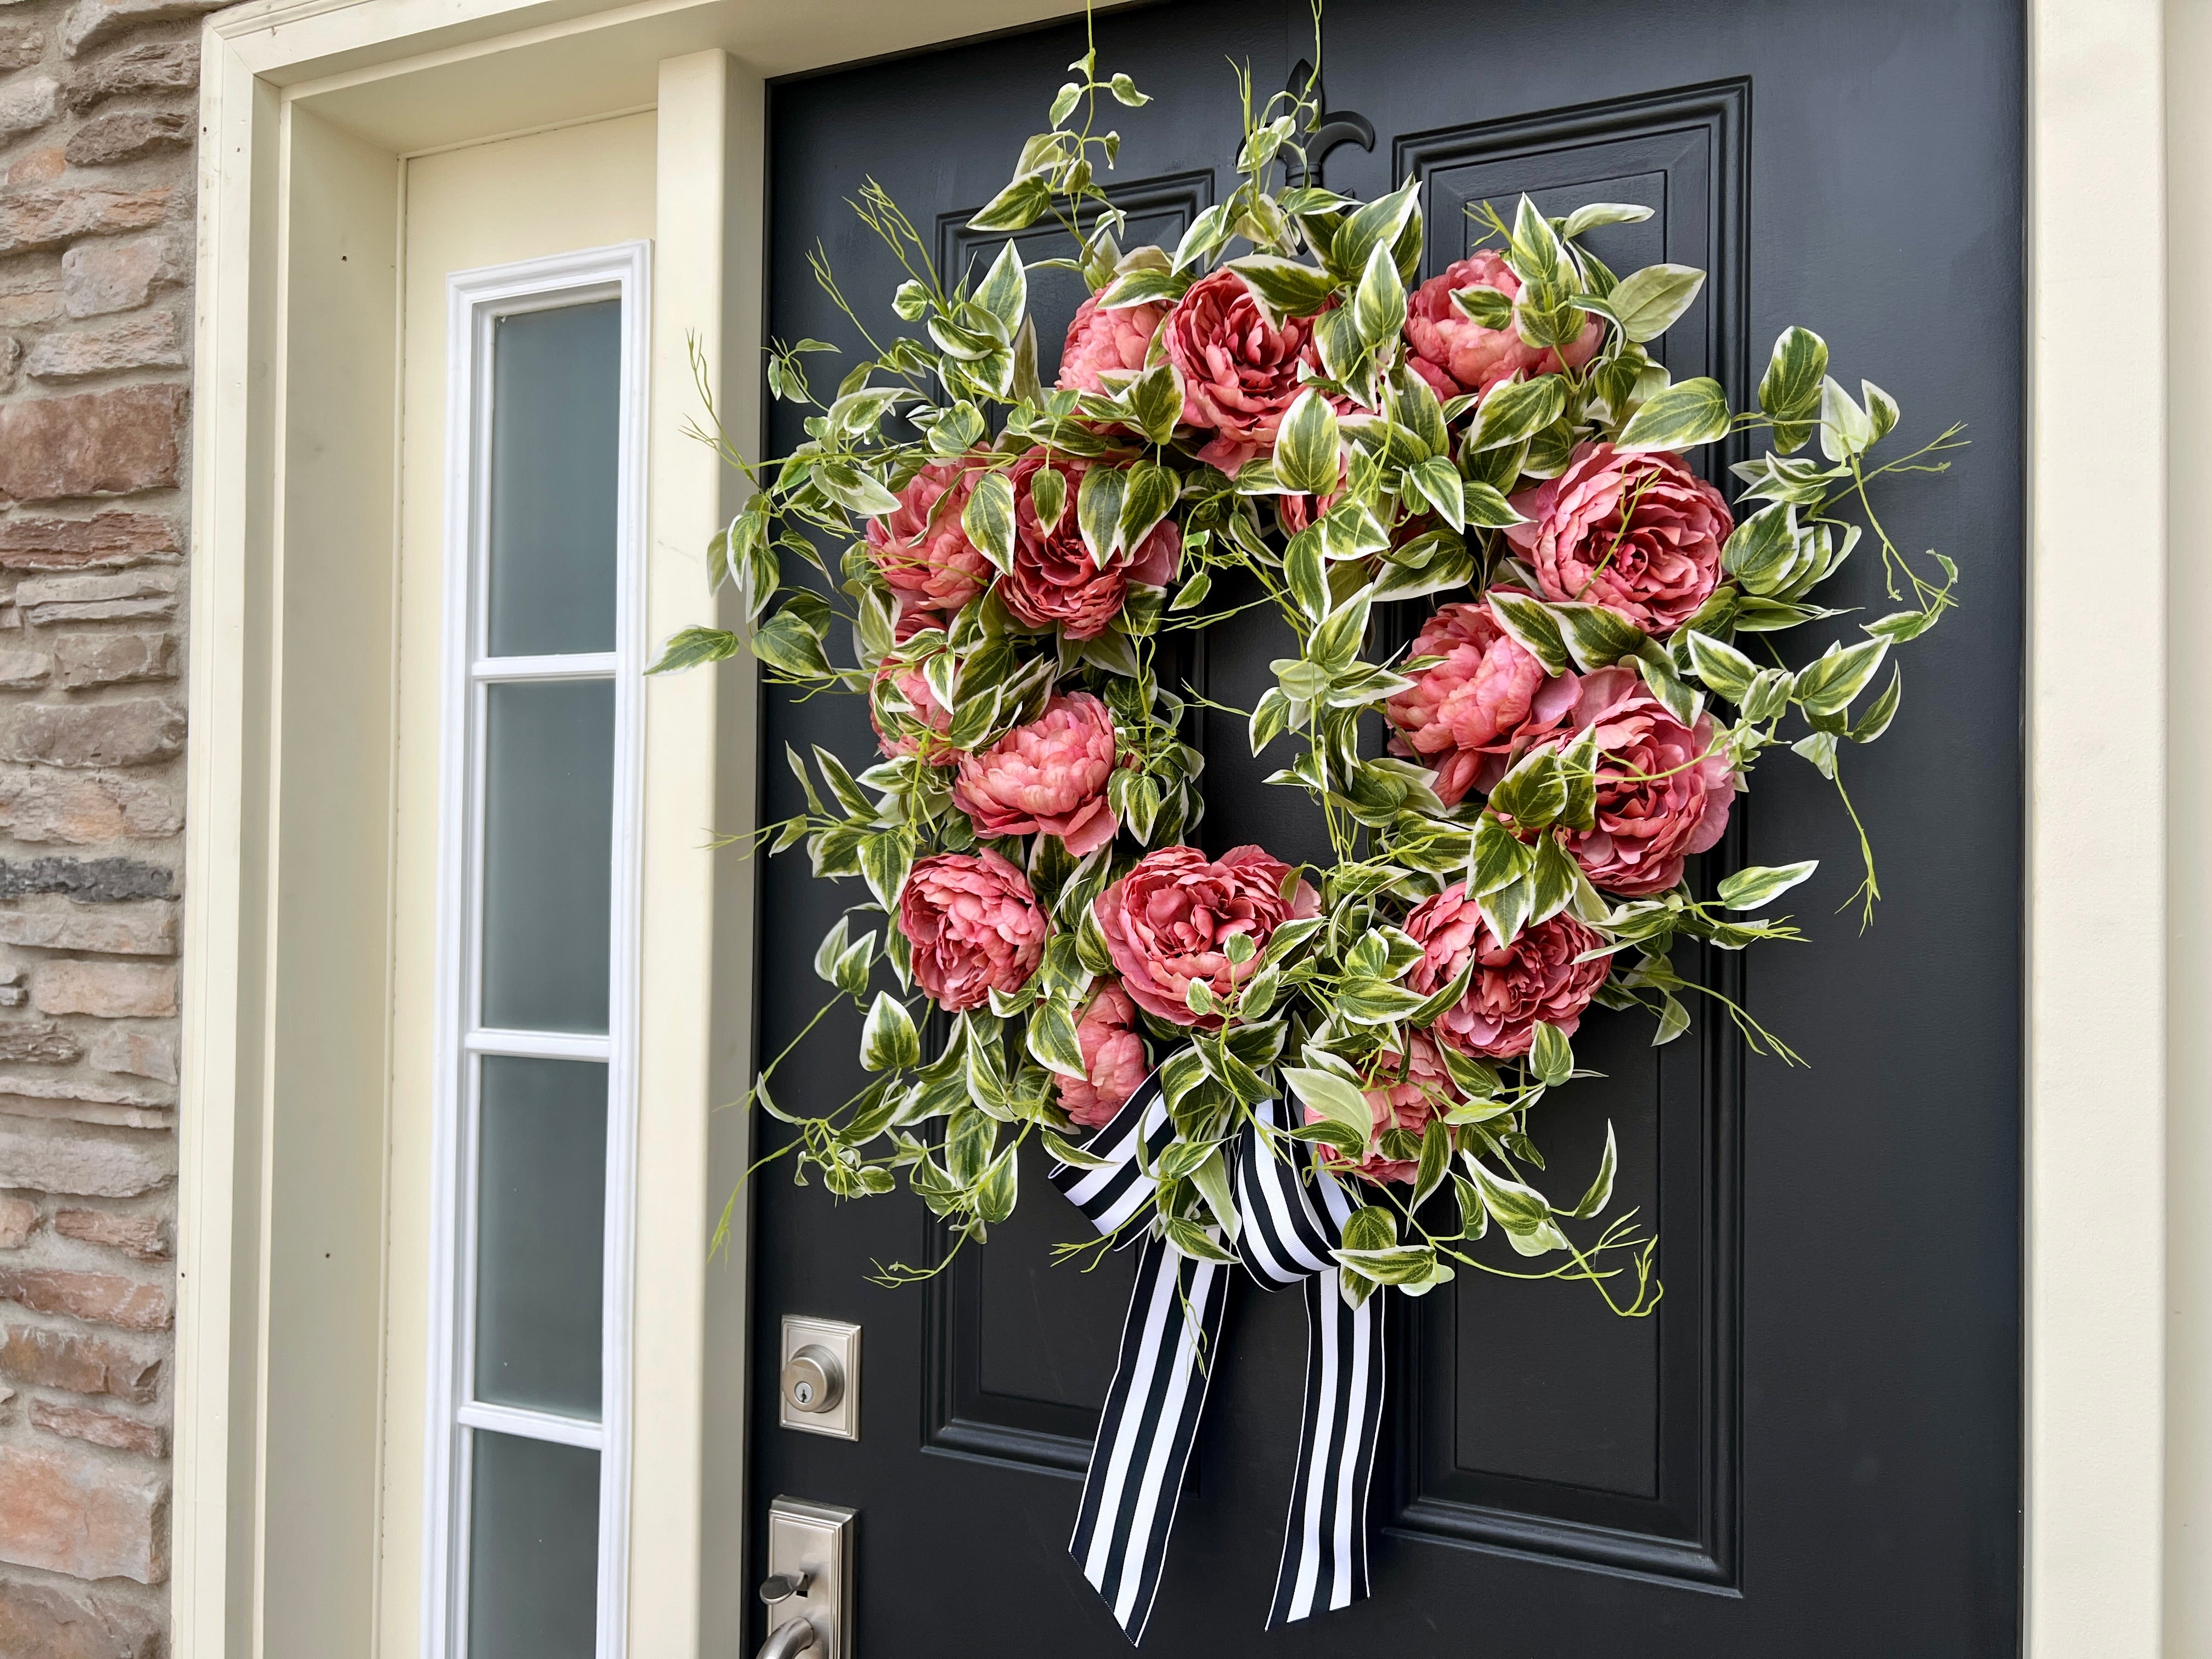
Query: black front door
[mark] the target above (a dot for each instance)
(1813, 1448)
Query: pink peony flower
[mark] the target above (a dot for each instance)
(1113, 1059)
(924, 554)
(1475, 712)
(975, 927)
(1455, 353)
(1400, 1097)
(1535, 977)
(1106, 349)
(1239, 371)
(924, 710)
(1053, 583)
(1638, 534)
(1166, 922)
(1663, 791)
(1048, 777)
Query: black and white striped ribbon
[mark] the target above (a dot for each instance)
(1292, 1214)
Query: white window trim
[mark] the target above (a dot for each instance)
(475, 298)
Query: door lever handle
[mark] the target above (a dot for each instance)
(792, 1639)
(785, 1585)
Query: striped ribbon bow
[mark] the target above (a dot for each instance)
(1291, 1216)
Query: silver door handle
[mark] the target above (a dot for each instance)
(792, 1639)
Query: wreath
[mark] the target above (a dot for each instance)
(1572, 723)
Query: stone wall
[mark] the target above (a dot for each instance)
(97, 123)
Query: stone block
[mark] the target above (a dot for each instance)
(21, 45)
(116, 275)
(90, 660)
(33, 543)
(97, 1298)
(147, 927)
(30, 293)
(41, 165)
(86, 1517)
(145, 1237)
(129, 1052)
(39, 1043)
(147, 66)
(21, 669)
(50, 217)
(150, 341)
(100, 734)
(127, 134)
(113, 990)
(18, 1219)
(91, 22)
(83, 1166)
(99, 1428)
(96, 881)
(39, 805)
(28, 104)
(78, 1362)
(119, 596)
(92, 443)
(75, 1622)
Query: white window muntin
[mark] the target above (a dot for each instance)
(476, 299)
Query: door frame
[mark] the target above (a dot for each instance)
(309, 109)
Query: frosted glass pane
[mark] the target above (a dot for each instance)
(541, 1231)
(556, 458)
(549, 842)
(533, 1550)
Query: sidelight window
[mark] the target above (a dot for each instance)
(530, 1362)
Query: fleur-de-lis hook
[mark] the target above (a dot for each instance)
(1331, 127)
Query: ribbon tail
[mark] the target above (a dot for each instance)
(1324, 1562)
(1169, 1349)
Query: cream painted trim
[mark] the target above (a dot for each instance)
(2096, 870)
(2097, 1058)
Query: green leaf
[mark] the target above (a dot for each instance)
(1827, 684)
(995, 1194)
(888, 1040)
(1441, 486)
(688, 647)
(1758, 884)
(1845, 428)
(1600, 1190)
(885, 861)
(1196, 1242)
(1303, 570)
(1530, 622)
(1485, 307)
(1375, 224)
(1876, 721)
(1881, 409)
(1486, 508)
(1374, 1227)
(1648, 302)
(1125, 92)
(1518, 1209)
(1378, 309)
(1338, 1101)
(1685, 415)
(826, 953)
(1150, 493)
(1720, 665)
(1597, 637)
(1550, 1056)
(988, 519)
(1336, 641)
(1374, 1001)
(1017, 207)
(1064, 101)
(1307, 444)
(1591, 215)
(1052, 1041)
(1821, 749)
(1004, 292)
(1155, 402)
(1098, 511)
(850, 972)
(1789, 391)
(1902, 625)
(1285, 287)
(1538, 255)
(857, 491)
(1436, 1160)
(1145, 285)
(1517, 410)
(1048, 496)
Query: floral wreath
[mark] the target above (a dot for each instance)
(1567, 730)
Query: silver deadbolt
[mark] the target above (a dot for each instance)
(819, 1377)
(813, 1380)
